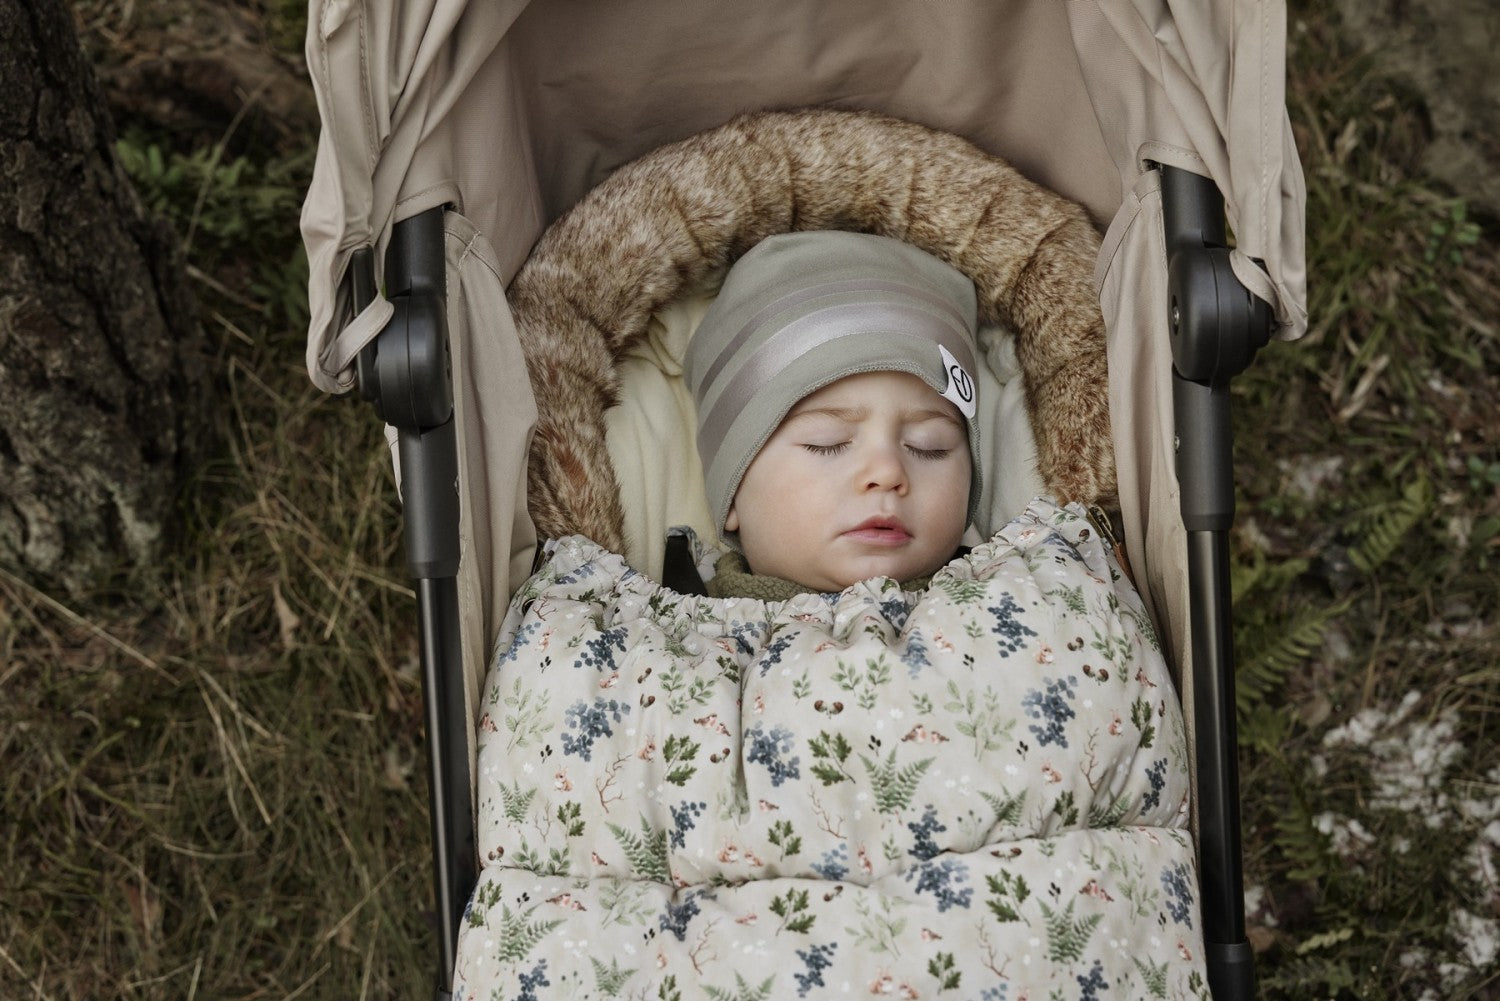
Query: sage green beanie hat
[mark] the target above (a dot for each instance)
(802, 310)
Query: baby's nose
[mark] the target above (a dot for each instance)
(886, 470)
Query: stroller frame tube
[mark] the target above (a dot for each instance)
(1216, 328)
(406, 373)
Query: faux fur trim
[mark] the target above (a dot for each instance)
(667, 222)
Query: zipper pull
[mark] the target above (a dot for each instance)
(1100, 519)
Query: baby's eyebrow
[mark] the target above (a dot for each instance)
(847, 414)
(926, 414)
(851, 415)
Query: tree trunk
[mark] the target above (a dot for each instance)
(102, 360)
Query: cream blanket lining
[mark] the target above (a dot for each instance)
(651, 438)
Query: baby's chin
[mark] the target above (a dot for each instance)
(847, 574)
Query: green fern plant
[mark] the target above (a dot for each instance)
(1272, 642)
(742, 990)
(516, 801)
(1303, 849)
(1108, 812)
(1007, 809)
(518, 934)
(1276, 649)
(792, 909)
(1068, 936)
(894, 786)
(1153, 975)
(1264, 728)
(961, 591)
(1388, 525)
(1008, 891)
(1263, 576)
(1323, 975)
(944, 969)
(611, 979)
(646, 851)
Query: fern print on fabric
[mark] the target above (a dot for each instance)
(975, 790)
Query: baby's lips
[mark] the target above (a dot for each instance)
(881, 531)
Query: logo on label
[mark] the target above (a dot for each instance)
(960, 388)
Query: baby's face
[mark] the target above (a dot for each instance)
(867, 477)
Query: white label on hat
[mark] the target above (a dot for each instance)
(960, 388)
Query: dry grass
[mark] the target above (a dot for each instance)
(211, 788)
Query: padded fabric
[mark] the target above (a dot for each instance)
(680, 793)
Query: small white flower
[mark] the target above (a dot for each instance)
(1413, 959)
(1478, 937)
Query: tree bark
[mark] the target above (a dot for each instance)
(102, 360)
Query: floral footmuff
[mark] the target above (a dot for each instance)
(977, 791)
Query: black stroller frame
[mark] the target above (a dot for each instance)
(1216, 327)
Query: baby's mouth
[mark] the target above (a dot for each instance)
(880, 532)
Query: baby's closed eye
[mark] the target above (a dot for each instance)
(932, 439)
(830, 449)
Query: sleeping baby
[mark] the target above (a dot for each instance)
(868, 761)
(834, 378)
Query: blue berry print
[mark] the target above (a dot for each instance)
(943, 880)
(1011, 630)
(1174, 880)
(768, 748)
(591, 722)
(815, 961)
(1053, 708)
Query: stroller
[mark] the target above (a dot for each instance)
(454, 134)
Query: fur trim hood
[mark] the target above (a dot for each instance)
(669, 221)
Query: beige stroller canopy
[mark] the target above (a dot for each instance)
(513, 110)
